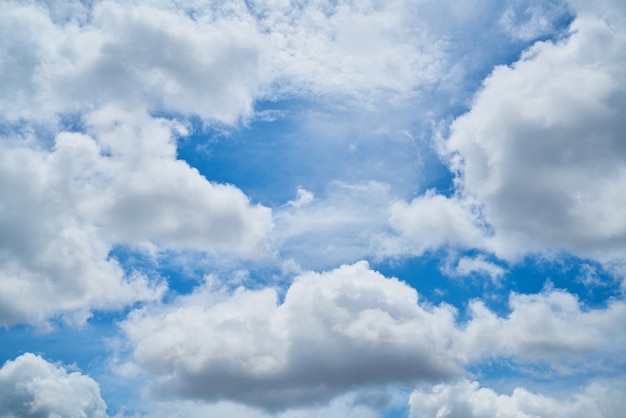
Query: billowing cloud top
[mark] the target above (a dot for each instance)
(32, 387)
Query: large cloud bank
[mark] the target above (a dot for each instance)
(351, 327)
(334, 331)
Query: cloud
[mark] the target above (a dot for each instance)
(431, 221)
(467, 266)
(346, 406)
(210, 59)
(152, 196)
(552, 328)
(303, 197)
(351, 328)
(333, 332)
(203, 60)
(538, 157)
(541, 147)
(32, 387)
(345, 225)
(206, 67)
(526, 21)
(466, 399)
(118, 183)
(342, 47)
(51, 260)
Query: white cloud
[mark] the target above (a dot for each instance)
(66, 207)
(433, 220)
(32, 387)
(334, 332)
(206, 67)
(210, 59)
(538, 157)
(551, 327)
(527, 21)
(151, 196)
(303, 197)
(51, 260)
(345, 225)
(466, 399)
(350, 48)
(352, 328)
(467, 266)
(541, 147)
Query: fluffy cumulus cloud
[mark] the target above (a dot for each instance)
(351, 327)
(208, 67)
(32, 387)
(539, 155)
(147, 194)
(467, 399)
(542, 146)
(118, 183)
(212, 59)
(333, 332)
(551, 328)
(431, 221)
(51, 259)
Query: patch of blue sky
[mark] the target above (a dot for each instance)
(85, 348)
(185, 270)
(309, 147)
(485, 40)
(587, 279)
(426, 275)
(396, 412)
(504, 375)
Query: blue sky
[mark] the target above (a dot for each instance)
(272, 208)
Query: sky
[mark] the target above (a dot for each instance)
(312, 208)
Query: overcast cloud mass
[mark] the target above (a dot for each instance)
(275, 208)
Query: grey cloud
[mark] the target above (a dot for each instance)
(351, 328)
(51, 260)
(127, 53)
(541, 149)
(334, 332)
